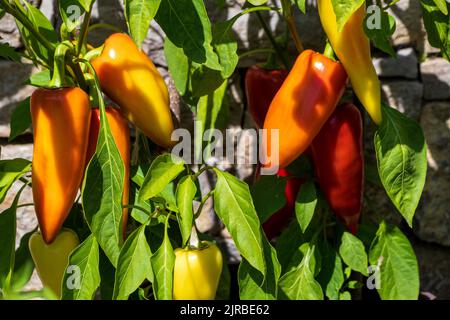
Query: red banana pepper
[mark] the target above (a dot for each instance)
(261, 85)
(301, 107)
(338, 157)
(121, 134)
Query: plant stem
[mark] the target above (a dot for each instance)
(202, 204)
(105, 26)
(84, 30)
(272, 40)
(329, 52)
(289, 17)
(255, 51)
(195, 177)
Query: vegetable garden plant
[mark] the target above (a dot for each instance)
(130, 232)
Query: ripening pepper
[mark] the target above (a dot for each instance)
(60, 119)
(130, 78)
(301, 107)
(338, 158)
(197, 272)
(279, 220)
(121, 134)
(52, 259)
(352, 47)
(261, 85)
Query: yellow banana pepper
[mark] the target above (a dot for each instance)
(352, 47)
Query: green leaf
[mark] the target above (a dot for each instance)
(23, 264)
(234, 206)
(168, 197)
(437, 24)
(204, 81)
(226, 46)
(305, 204)
(381, 36)
(185, 194)
(344, 9)
(209, 109)
(353, 253)
(163, 170)
(40, 79)
(288, 243)
(134, 264)
(299, 283)
(399, 271)
(71, 12)
(268, 195)
(331, 276)
(8, 242)
(187, 25)
(163, 262)
(8, 52)
(20, 119)
(442, 5)
(301, 4)
(139, 14)
(345, 296)
(102, 192)
(82, 276)
(11, 171)
(178, 64)
(257, 2)
(44, 27)
(402, 160)
(252, 284)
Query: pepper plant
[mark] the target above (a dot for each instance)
(129, 231)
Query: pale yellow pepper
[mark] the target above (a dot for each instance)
(52, 259)
(197, 272)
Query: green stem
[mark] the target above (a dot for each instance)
(104, 26)
(289, 17)
(329, 52)
(150, 214)
(195, 177)
(272, 40)
(96, 84)
(94, 53)
(84, 30)
(59, 74)
(254, 52)
(202, 204)
(25, 205)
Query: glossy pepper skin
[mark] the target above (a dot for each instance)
(131, 79)
(197, 272)
(352, 47)
(51, 260)
(338, 157)
(278, 221)
(261, 85)
(121, 134)
(303, 104)
(60, 119)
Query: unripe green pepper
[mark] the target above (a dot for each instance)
(197, 272)
(51, 259)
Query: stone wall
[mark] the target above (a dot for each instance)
(416, 82)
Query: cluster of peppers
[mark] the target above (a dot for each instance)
(66, 126)
(303, 104)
